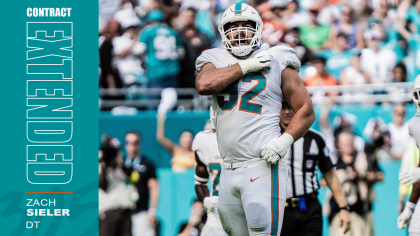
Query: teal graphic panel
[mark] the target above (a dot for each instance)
(49, 120)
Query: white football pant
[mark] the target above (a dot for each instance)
(213, 227)
(252, 197)
(414, 227)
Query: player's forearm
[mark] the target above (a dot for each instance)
(415, 194)
(301, 122)
(202, 192)
(212, 81)
(334, 184)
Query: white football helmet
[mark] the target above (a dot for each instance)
(241, 12)
(416, 93)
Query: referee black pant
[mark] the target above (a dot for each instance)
(303, 223)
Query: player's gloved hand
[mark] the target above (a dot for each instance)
(404, 219)
(277, 148)
(259, 62)
(210, 203)
(410, 176)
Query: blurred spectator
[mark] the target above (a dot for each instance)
(376, 61)
(163, 48)
(351, 168)
(143, 176)
(126, 60)
(115, 198)
(107, 10)
(353, 75)
(399, 73)
(170, 8)
(398, 129)
(338, 57)
(293, 40)
(196, 221)
(313, 34)
(273, 25)
(195, 42)
(182, 155)
(373, 175)
(363, 9)
(293, 17)
(410, 32)
(322, 77)
(109, 75)
(378, 139)
(387, 16)
(328, 13)
(349, 27)
(343, 121)
(413, 15)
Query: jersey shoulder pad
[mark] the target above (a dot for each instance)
(286, 56)
(413, 123)
(208, 56)
(199, 139)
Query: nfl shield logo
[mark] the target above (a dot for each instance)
(309, 164)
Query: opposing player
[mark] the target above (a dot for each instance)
(208, 160)
(412, 176)
(248, 84)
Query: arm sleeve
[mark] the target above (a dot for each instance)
(196, 142)
(152, 174)
(144, 37)
(325, 159)
(203, 59)
(286, 57)
(196, 145)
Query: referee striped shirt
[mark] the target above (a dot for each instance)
(305, 157)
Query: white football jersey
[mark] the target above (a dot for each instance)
(414, 128)
(247, 111)
(205, 144)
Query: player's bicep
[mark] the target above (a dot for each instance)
(294, 91)
(202, 67)
(202, 70)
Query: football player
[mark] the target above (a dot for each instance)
(208, 165)
(247, 84)
(412, 176)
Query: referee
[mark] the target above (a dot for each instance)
(303, 213)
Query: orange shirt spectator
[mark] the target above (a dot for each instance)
(321, 78)
(318, 80)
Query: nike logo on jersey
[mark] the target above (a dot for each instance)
(252, 180)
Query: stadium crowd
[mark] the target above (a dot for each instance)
(154, 44)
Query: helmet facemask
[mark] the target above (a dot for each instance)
(241, 41)
(416, 98)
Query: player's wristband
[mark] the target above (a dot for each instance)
(287, 138)
(410, 205)
(249, 65)
(200, 181)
